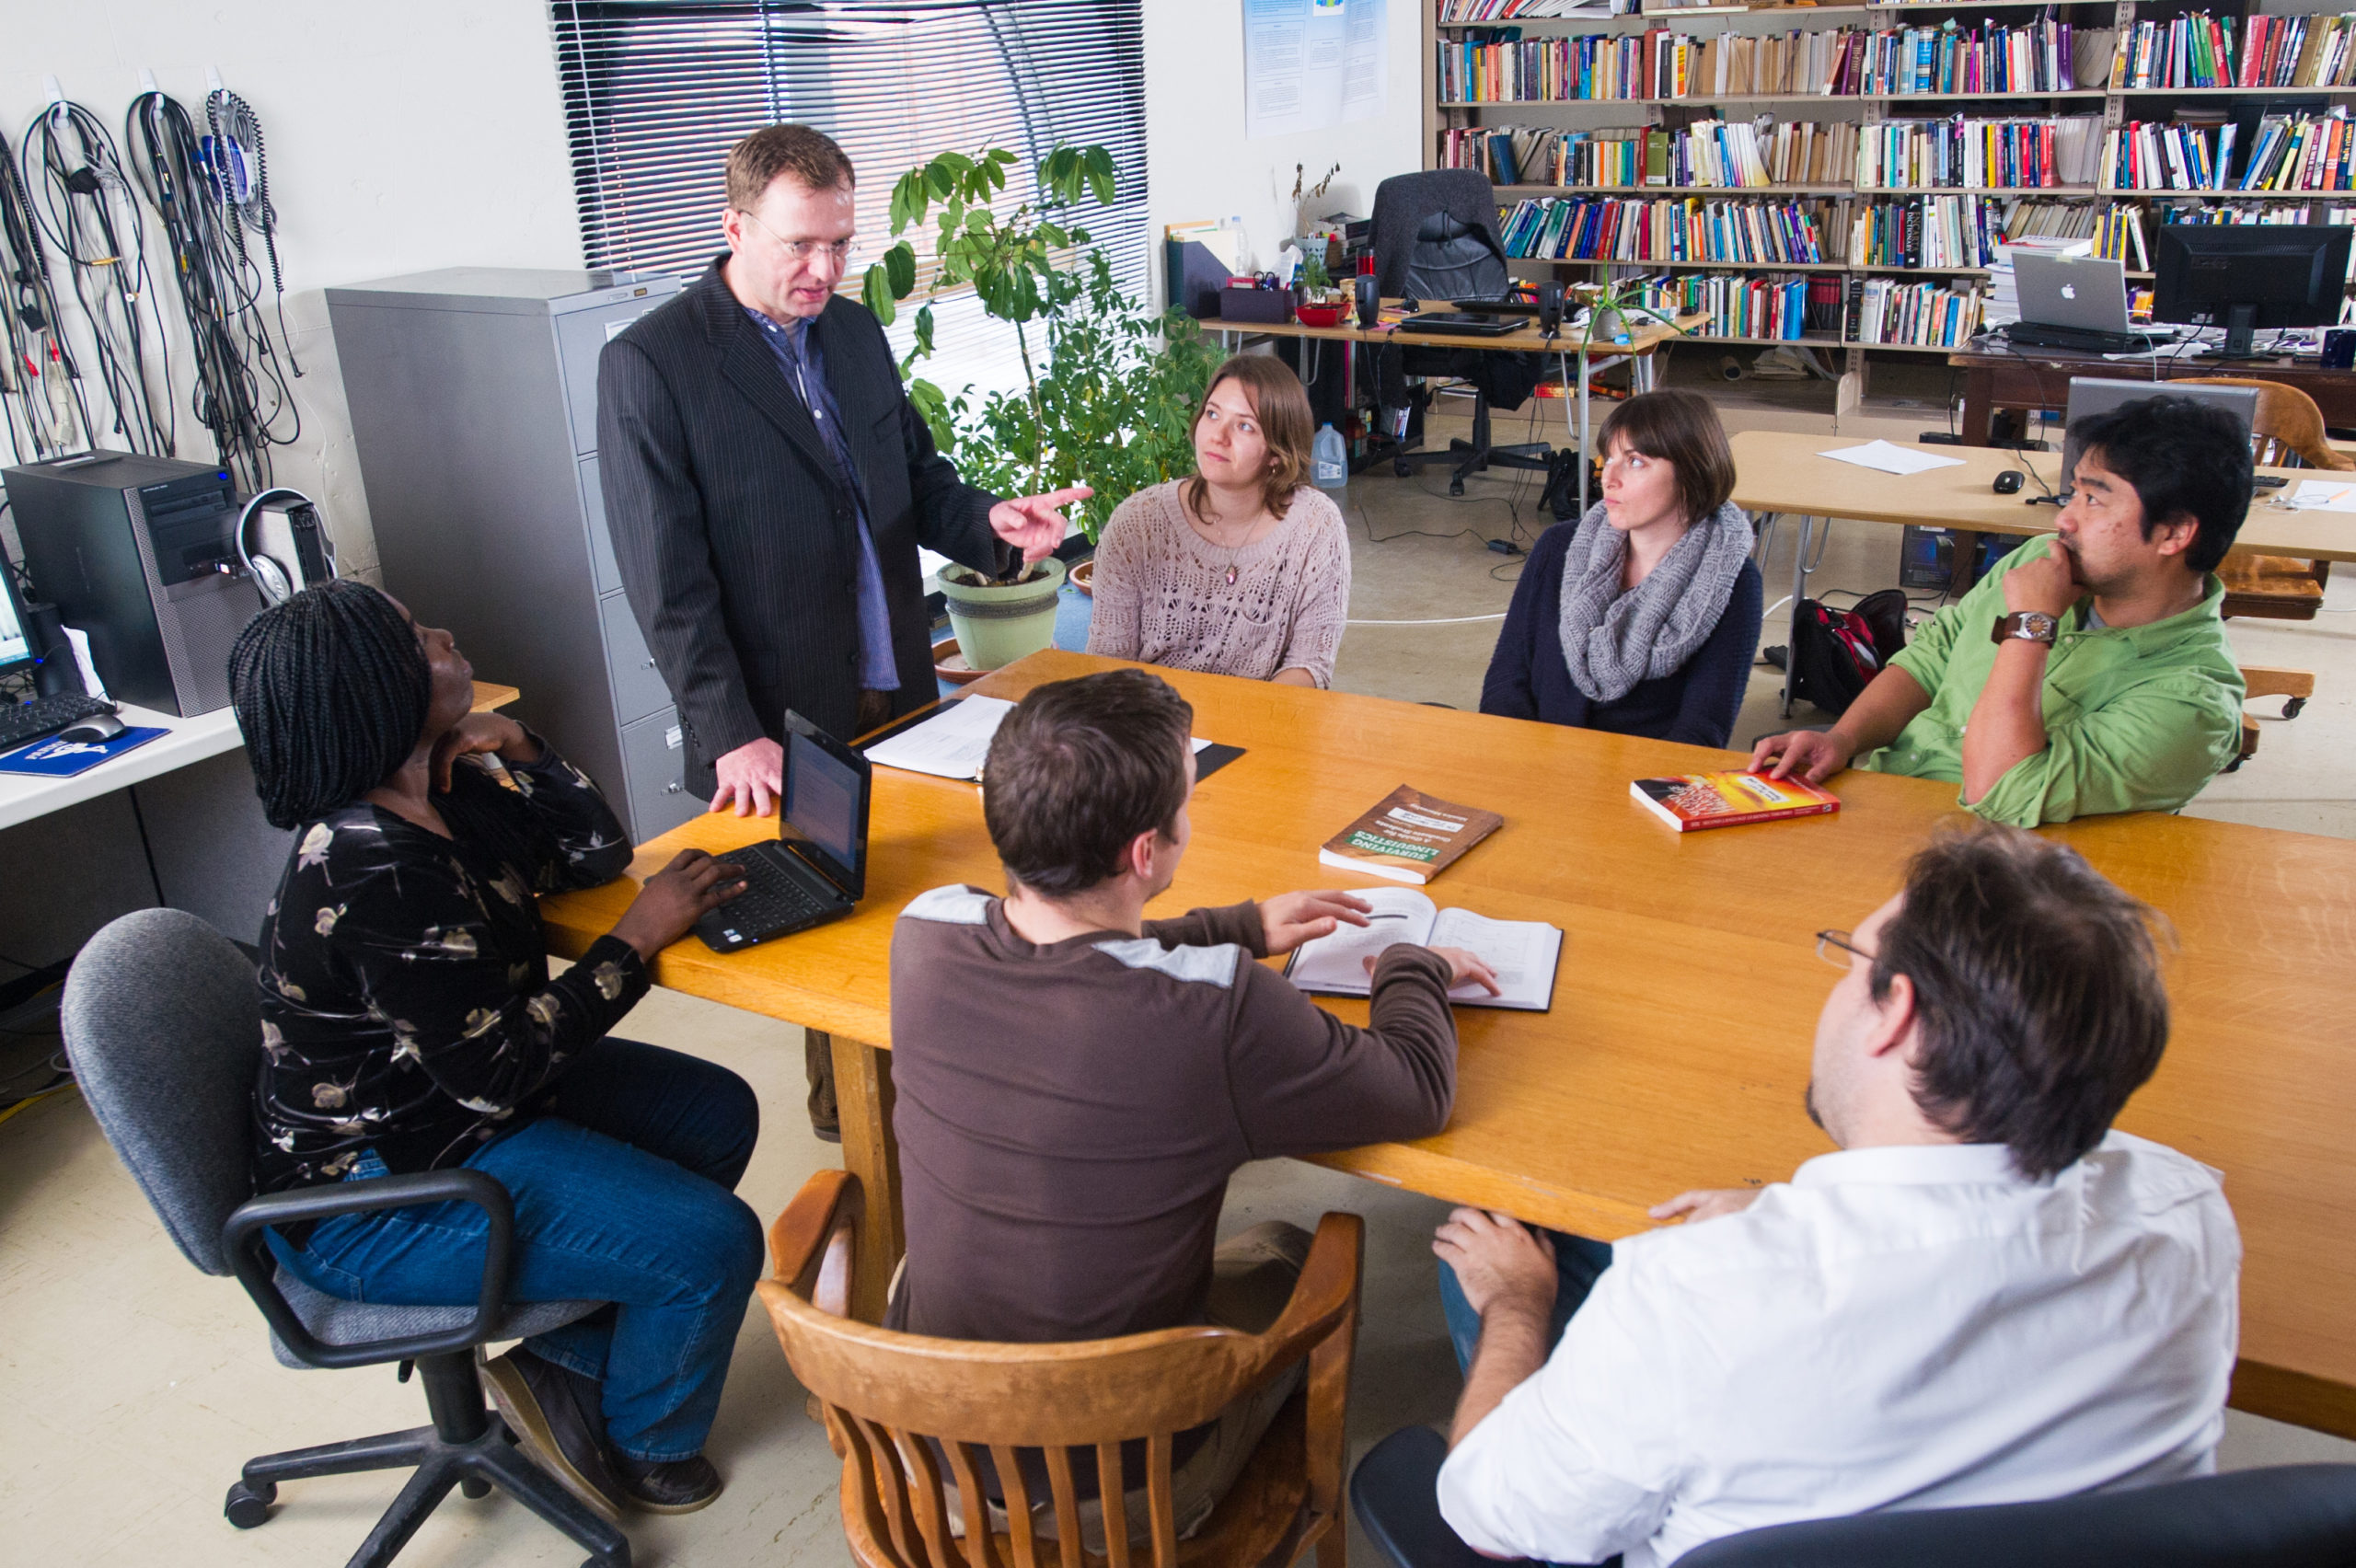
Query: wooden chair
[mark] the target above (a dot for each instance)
(2287, 432)
(883, 1394)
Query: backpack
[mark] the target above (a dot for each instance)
(1836, 654)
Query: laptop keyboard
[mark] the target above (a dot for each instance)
(772, 898)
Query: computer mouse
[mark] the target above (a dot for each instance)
(90, 732)
(2010, 481)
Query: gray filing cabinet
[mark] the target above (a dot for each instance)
(473, 393)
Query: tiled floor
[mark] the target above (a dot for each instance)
(134, 1385)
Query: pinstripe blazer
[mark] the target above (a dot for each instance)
(738, 545)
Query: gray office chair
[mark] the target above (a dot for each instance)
(163, 1023)
(1436, 240)
(2291, 1516)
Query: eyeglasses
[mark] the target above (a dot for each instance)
(841, 250)
(1837, 950)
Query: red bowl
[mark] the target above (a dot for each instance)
(1320, 315)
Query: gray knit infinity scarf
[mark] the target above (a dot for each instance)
(1611, 639)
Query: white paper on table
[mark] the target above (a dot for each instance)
(1892, 459)
(2324, 495)
(954, 742)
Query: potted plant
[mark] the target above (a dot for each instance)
(1321, 303)
(1609, 306)
(1108, 396)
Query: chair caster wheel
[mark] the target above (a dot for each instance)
(1403, 470)
(474, 1486)
(1456, 487)
(2292, 705)
(247, 1506)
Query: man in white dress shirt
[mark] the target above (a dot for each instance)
(1987, 1296)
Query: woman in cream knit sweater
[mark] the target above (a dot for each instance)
(1243, 570)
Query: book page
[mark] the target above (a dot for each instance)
(1338, 963)
(1522, 952)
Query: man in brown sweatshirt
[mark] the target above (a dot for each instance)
(1077, 1083)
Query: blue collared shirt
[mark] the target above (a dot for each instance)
(806, 371)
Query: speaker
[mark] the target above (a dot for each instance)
(1370, 302)
(58, 673)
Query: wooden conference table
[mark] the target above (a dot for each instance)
(1999, 377)
(1677, 1050)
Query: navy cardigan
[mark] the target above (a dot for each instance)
(1697, 705)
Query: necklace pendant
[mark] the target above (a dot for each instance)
(1231, 577)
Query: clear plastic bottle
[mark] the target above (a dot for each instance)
(1331, 463)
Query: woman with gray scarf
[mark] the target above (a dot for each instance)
(1643, 616)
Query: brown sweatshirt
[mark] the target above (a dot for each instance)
(1069, 1115)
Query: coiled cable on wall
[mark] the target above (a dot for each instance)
(83, 204)
(241, 166)
(40, 386)
(241, 392)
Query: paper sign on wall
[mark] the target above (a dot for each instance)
(1311, 63)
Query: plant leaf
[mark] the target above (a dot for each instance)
(875, 293)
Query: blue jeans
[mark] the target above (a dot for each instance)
(1577, 1261)
(622, 1192)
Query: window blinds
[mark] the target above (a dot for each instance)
(656, 92)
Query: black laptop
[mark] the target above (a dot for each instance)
(817, 870)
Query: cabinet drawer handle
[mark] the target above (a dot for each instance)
(674, 789)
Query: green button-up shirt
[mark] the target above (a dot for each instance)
(2136, 718)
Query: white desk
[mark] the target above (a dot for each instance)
(189, 741)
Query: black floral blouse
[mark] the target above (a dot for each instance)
(406, 1002)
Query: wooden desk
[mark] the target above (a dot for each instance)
(2039, 378)
(184, 742)
(1644, 337)
(1677, 1048)
(1778, 473)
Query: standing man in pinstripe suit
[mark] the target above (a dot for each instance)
(766, 484)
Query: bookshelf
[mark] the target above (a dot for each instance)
(1566, 72)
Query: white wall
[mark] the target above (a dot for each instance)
(401, 138)
(1199, 163)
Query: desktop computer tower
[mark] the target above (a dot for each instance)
(138, 552)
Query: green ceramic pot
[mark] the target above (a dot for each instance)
(997, 625)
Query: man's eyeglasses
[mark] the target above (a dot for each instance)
(841, 250)
(1837, 950)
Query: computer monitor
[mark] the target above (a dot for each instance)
(2246, 276)
(16, 651)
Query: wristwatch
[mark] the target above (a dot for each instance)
(2028, 626)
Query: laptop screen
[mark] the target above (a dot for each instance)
(822, 806)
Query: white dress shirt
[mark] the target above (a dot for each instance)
(1897, 1328)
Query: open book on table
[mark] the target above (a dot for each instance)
(1522, 952)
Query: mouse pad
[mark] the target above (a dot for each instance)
(53, 758)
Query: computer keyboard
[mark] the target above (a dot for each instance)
(45, 715)
(2038, 335)
(772, 898)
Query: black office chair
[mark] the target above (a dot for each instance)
(163, 1022)
(2292, 1516)
(1436, 240)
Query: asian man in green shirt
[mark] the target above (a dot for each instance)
(2089, 672)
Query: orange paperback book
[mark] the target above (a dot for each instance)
(1691, 801)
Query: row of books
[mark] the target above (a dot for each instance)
(2292, 153)
(1740, 307)
(2189, 52)
(1928, 231)
(2045, 56)
(2298, 52)
(2148, 155)
(1510, 10)
(1672, 230)
(1980, 153)
(1887, 310)
(1707, 154)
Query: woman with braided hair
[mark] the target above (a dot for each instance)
(409, 1024)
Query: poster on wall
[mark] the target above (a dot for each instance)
(1311, 63)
